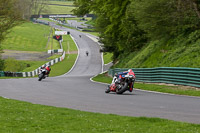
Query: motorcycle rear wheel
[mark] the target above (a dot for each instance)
(123, 88)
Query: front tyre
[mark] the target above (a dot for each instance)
(40, 76)
(122, 89)
(107, 89)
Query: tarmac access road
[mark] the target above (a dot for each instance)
(75, 90)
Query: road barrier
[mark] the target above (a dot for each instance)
(2, 74)
(172, 75)
(36, 71)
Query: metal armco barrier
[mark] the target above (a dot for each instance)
(2, 74)
(172, 75)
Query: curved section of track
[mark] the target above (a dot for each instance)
(75, 90)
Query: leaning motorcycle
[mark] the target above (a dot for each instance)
(42, 74)
(125, 83)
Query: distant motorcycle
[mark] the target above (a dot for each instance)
(122, 82)
(44, 72)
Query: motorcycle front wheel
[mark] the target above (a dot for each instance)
(40, 76)
(107, 89)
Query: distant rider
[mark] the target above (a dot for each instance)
(87, 53)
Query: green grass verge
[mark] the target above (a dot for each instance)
(107, 57)
(24, 117)
(68, 44)
(179, 90)
(27, 37)
(53, 43)
(63, 67)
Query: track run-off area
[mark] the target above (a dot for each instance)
(75, 90)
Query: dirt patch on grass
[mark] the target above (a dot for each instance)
(25, 55)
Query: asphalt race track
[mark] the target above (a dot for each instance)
(75, 90)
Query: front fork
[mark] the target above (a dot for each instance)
(131, 84)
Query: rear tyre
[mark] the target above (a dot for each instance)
(122, 89)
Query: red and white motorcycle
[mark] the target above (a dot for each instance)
(122, 82)
(44, 72)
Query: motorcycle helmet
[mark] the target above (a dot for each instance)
(130, 70)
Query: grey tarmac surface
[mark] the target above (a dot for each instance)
(75, 90)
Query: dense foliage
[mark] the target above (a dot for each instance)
(9, 17)
(127, 26)
(14, 12)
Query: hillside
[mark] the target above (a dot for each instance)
(139, 33)
(183, 51)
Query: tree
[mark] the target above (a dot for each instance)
(165, 18)
(38, 6)
(115, 22)
(83, 7)
(10, 16)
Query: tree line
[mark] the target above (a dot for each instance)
(128, 25)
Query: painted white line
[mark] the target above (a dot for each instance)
(93, 38)
(102, 64)
(5, 97)
(108, 63)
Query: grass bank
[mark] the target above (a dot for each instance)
(107, 57)
(59, 7)
(63, 67)
(179, 90)
(18, 117)
(182, 51)
(27, 37)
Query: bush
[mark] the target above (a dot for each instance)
(1, 64)
(13, 65)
